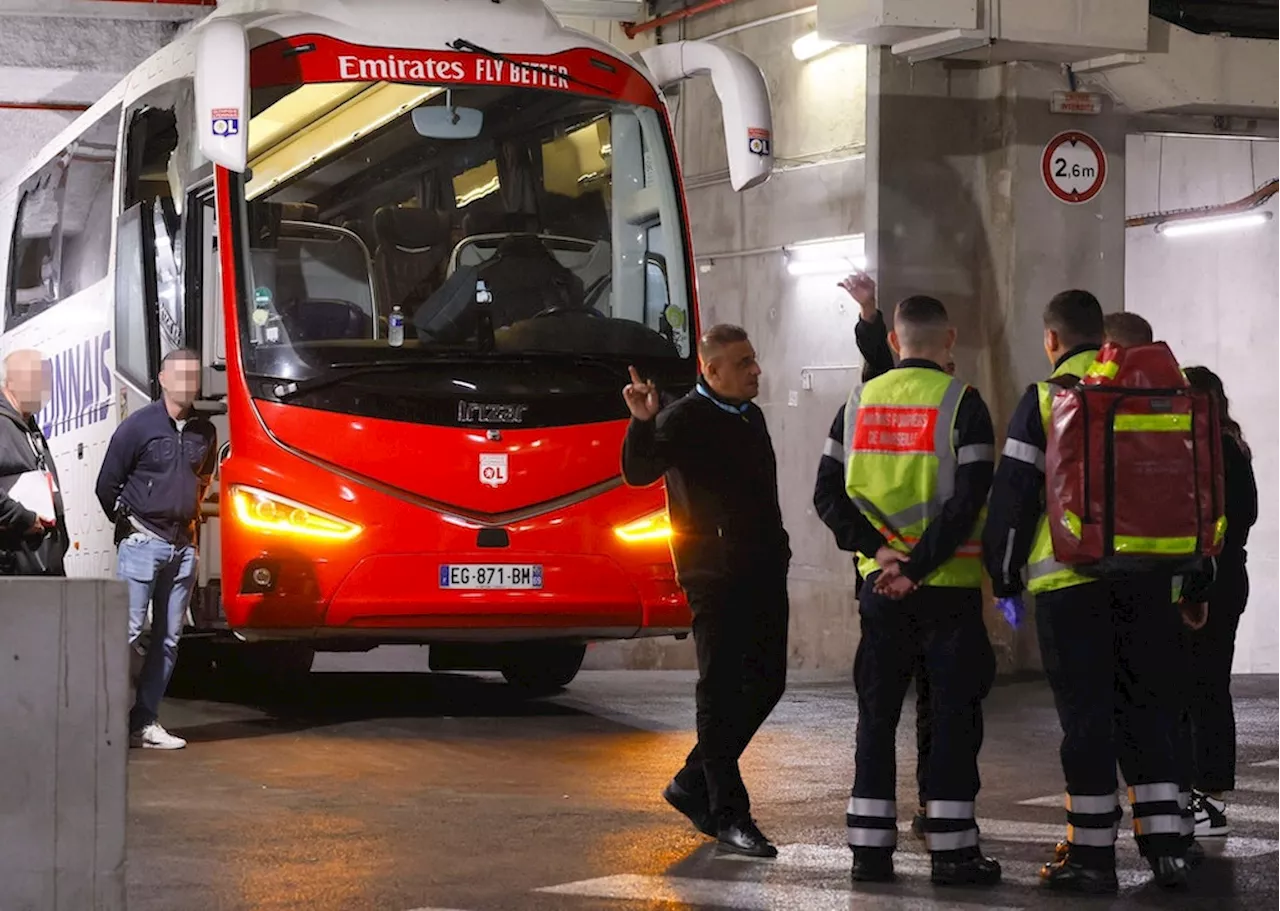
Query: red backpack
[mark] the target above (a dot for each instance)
(1133, 467)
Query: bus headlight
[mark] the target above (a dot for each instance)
(654, 527)
(269, 512)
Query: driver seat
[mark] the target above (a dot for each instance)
(526, 279)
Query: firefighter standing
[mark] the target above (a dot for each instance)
(919, 469)
(1109, 647)
(837, 511)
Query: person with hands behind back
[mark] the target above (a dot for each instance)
(731, 556)
(919, 466)
(832, 503)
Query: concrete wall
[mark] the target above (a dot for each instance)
(64, 676)
(957, 208)
(1213, 298)
(816, 191)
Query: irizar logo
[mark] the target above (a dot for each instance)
(477, 413)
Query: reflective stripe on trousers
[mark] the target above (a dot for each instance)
(949, 825)
(871, 823)
(1157, 809)
(1093, 820)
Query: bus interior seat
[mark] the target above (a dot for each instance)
(412, 248)
(317, 319)
(525, 279)
(585, 216)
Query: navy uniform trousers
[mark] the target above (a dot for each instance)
(942, 629)
(1111, 652)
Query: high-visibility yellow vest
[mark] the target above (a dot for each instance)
(902, 462)
(1044, 573)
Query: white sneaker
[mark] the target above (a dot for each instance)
(1211, 816)
(154, 737)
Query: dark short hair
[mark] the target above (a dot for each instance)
(921, 310)
(178, 354)
(920, 321)
(719, 336)
(1128, 329)
(1076, 316)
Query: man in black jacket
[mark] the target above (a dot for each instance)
(155, 474)
(731, 555)
(33, 541)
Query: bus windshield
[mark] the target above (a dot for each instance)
(551, 228)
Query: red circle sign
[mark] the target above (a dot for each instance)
(1074, 166)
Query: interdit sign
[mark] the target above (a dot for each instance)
(81, 387)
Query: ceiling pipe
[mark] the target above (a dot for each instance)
(1244, 204)
(164, 2)
(42, 106)
(635, 28)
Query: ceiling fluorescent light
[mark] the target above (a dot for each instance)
(1213, 225)
(806, 47)
(941, 44)
(830, 256)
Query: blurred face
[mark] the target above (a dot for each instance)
(180, 380)
(25, 381)
(734, 373)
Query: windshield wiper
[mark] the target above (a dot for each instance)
(340, 373)
(462, 44)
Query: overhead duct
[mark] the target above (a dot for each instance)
(994, 31)
(1146, 64)
(1188, 73)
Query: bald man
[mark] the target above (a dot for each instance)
(33, 529)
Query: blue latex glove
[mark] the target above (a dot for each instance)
(1012, 608)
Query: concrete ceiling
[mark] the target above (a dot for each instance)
(57, 56)
(1237, 18)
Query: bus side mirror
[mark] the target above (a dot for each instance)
(222, 94)
(744, 101)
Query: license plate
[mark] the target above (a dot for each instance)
(490, 576)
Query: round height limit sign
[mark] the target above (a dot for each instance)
(1074, 166)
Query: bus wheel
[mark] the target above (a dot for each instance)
(539, 670)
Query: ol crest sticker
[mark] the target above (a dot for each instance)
(759, 142)
(493, 468)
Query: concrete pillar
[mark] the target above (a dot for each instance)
(64, 713)
(957, 208)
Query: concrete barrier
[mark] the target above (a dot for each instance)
(63, 744)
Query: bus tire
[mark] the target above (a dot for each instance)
(540, 670)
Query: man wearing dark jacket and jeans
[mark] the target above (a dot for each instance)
(31, 544)
(731, 555)
(157, 469)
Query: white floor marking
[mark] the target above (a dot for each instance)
(746, 896)
(1267, 764)
(827, 857)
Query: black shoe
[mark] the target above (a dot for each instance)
(744, 838)
(1195, 853)
(692, 806)
(873, 867)
(971, 870)
(1067, 876)
(917, 823)
(1171, 872)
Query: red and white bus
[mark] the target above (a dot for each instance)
(418, 243)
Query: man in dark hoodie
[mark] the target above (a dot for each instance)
(31, 543)
(156, 472)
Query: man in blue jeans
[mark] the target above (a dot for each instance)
(156, 471)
